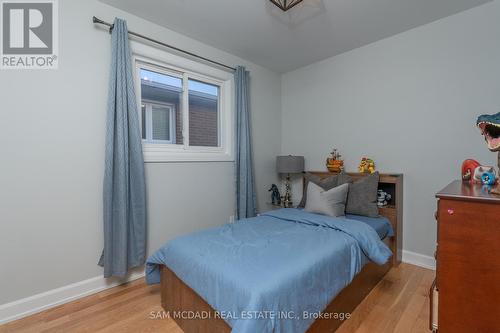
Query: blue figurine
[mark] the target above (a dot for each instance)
(275, 195)
(488, 178)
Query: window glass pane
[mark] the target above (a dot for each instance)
(162, 89)
(160, 122)
(203, 114)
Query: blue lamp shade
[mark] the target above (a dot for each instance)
(290, 164)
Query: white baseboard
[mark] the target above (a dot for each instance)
(43, 301)
(419, 259)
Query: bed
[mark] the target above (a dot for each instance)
(284, 271)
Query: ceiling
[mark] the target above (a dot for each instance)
(258, 31)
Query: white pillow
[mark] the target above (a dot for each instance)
(331, 202)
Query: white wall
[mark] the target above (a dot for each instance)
(410, 102)
(52, 148)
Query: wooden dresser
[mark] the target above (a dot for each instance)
(467, 286)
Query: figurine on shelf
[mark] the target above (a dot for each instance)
(335, 162)
(275, 195)
(367, 165)
(383, 198)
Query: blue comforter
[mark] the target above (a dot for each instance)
(271, 273)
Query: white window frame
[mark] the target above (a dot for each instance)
(149, 121)
(145, 56)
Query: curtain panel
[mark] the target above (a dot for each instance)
(245, 193)
(124, 188)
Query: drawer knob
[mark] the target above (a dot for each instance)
(451, 211)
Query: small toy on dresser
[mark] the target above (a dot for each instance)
(335, 162)
(367, 165)
(383, 198)
(485, 175)
(468, 168)
(488, 178)
(473, 171)
(489, 124)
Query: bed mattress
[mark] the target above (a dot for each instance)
(271, 273)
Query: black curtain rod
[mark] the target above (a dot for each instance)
(99, 21)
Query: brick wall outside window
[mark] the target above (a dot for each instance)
(203, 129)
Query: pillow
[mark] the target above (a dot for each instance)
(326, 184)
(331, 202)
(343, 178)
(362, 196)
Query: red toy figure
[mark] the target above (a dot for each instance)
(468, 167)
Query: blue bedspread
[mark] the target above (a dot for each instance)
(381, 224)
(271, 273)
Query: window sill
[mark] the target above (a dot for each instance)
(154, 154)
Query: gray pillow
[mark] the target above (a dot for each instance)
(326, 184)
(343, 178)
(331, 202)
(362, 196)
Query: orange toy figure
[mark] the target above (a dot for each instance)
(335, 163)
(468, 167)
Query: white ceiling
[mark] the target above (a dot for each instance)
(258, 31)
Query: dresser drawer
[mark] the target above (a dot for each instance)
(468, 266)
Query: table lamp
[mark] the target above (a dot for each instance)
(289, 165)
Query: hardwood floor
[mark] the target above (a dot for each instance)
(399, 303)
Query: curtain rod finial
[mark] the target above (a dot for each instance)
(96, 20)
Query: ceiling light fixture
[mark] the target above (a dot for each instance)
(285, 5)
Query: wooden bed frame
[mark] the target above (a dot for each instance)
(180, 301)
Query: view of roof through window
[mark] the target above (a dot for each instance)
(194, 85)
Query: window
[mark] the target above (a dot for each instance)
(161, 97)
(185, 116)
(158, 122)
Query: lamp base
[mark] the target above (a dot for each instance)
(287, 198)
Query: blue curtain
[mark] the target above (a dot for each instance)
(245, 194)
(124, 188)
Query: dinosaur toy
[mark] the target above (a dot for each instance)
(490, 129)
(275, 195)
